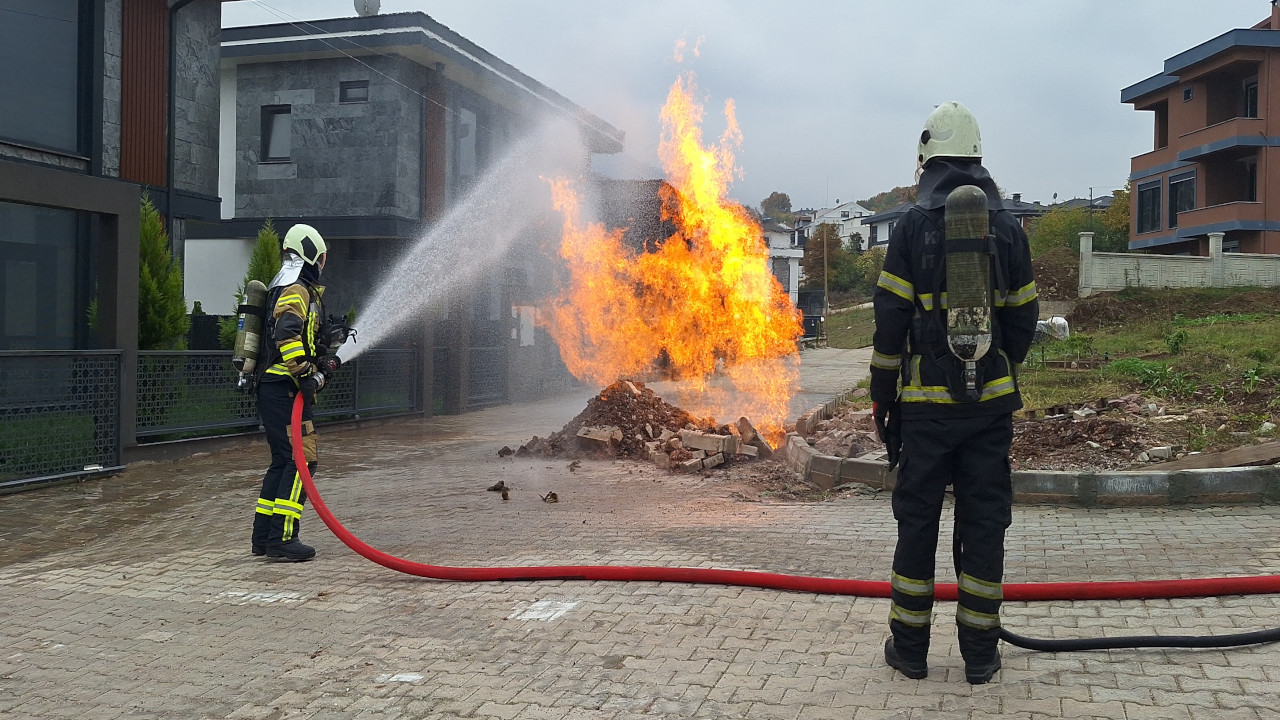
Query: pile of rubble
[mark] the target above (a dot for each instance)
(628, 420)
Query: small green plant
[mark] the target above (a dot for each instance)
(1154, 376)
(1260, 355)
(1176, 341)
(1252, 379)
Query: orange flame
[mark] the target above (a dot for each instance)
(705, 296)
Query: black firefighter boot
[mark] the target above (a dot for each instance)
(981, 652)
(289, 549)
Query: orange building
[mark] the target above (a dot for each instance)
(1215, 162)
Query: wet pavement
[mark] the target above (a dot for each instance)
(136, 596)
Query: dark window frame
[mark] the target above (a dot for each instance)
(1182, 195)
(1250, 98)
(1149, 210)
(269, 113)
(345, 91)
(1188, 94)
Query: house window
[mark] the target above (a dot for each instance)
(43, 283)
(1250, 109)
(45, 103)
(277, 132)
(874, 234)
(356, 91)
(1182, 196)
(1251, 179)
(1149, 207)
(1187, 94)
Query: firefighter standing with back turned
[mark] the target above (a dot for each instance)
(955, 312)
(295, 360)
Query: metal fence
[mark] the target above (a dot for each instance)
(192, 393)
(60, 409)
(59, 414)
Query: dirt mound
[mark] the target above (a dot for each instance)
(1127, 433)
(1116, 309)
(635, 410)
(1057, 274)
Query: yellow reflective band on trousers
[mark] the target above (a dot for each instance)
(897, 286)
(265, 507)
(914, 618)
(885, 362)
(291, 508)
(975, 619)
(910, 586)
(981, 588)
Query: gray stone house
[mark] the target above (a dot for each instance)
(373, 129)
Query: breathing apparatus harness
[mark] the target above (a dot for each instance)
(956, 328)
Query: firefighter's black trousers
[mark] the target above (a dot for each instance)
(972, 454)
(279, 510)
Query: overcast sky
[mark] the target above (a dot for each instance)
(831, 96)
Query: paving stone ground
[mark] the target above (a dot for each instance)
(136, 596)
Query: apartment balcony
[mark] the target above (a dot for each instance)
(1222, 218)
(1237, 135)
(1154, 162)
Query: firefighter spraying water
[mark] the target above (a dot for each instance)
(294, 355)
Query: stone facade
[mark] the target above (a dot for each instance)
(198, 52)
(346, 159)
(113, 41)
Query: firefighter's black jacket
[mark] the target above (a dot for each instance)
(909, 295)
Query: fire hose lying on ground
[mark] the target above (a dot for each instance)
(1127, 590)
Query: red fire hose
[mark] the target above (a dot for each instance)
(1126, 590)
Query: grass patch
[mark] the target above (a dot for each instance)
(851, 328)
(1199, 346)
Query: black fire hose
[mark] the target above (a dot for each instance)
(1145, 589)
(1142, 641)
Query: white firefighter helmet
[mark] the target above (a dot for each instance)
(950, 131)
(304, 245)
(306, 242)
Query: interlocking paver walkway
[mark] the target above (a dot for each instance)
(136, 596)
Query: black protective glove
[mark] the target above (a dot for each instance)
(311, 385)
(889, 428)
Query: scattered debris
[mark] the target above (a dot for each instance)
(498, 486)
(550, 498)
(1126, 433)
(506, 452)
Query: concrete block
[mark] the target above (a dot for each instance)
(867, 472)
(691, 465)
(713, 460)
(707, 441)
(749, 450)
(600, 437)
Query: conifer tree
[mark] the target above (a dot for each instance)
(264, 263)
(162, 308)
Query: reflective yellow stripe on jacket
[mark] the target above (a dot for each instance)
(915, 392)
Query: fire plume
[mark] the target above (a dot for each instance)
(704, 300)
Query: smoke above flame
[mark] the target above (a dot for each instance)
(702, 305)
